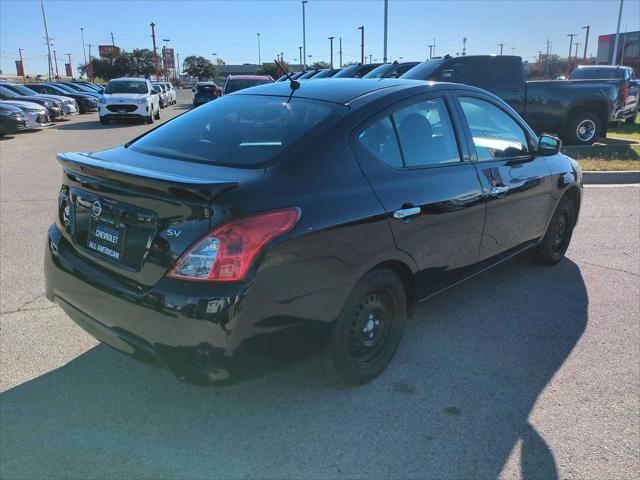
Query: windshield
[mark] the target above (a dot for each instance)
(423, 70)
(127, 86)
(235, 85)
(158, 86)
(596, 73)
(64, 88)
(329, 72)
(7, 92)
(347, 72)
(21, 89)
(238, 130)
(209, 89)
(381, 71)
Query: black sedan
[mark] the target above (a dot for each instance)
(86, 103)
(12, 119)
(55, 109)
(278, 217)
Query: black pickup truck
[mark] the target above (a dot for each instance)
(578, 110)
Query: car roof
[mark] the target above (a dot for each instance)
(344, 90)
(128, 79)
(249, 77)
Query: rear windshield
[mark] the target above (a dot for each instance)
(381, 71)
(596, 73)
(238, 130)
(206, 88)
(235, 85)
(127, 86)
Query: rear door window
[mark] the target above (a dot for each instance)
(380, 139)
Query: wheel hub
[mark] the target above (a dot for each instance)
(586, 130)
(370, 328)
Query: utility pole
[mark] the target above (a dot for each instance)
(46, 36)
(570, 35)
(24, 78)
(361, 44)
(434, 47)
(304, 36)
(55, 61)
(513, 51)
(259, 53)
(546, 61)
(113, 42)
(90, 45)
(501, 45)
(614, 57)
(370, 58)
(83, 49)
(70, 65)
(464, 46)
(178, 65)
(340, 52)
(155, 52)
(301, 59)
(386, 19)
(586, 41)
(430, 51)
(331, 49)
(577, 44)
(624, 43)
(164, 58)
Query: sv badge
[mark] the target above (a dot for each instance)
(174, 233)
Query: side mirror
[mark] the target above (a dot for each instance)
(448, 76)
(548, 145)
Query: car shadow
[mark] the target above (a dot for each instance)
(454, 403)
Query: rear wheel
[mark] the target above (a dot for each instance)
(369, 329)
(157, 117)
(583, 129)
(556, 240)
(104, 121)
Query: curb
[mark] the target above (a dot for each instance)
(610, 177)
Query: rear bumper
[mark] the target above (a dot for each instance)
(203, 333)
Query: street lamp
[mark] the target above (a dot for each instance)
(164, 58)
(215, 58)
(259, 54)
(304, 36)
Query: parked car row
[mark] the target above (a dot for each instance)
(204, 92)
(35, 105)
(579, 109)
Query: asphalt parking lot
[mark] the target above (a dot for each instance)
(525, 372)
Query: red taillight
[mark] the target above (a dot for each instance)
(226, 253)
(624, 93)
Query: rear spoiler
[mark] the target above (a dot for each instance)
(84, 165)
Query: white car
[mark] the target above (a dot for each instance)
(129, 98)
(34, 113)
(173, 94)
(164, 94)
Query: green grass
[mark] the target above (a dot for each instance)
(597, 165)
(626, 131)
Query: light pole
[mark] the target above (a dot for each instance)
(164, 58)
(84, 50)
(577, 45)
(586, 41)
(259, 53)
(361, 28)
(304, 35)
(430, 51)
(614, 57)
(501, 45)
(55, 61)
(215, 58)
(340, 52)
(24, 78)
(513, 50)
(386, 18)
(301, 59)
(331, 49)
(46, 36)
(570, 35)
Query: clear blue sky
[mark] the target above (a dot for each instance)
(229, 28)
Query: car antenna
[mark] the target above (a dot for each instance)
(293, 84)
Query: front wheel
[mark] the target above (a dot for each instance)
(157, 116)
(104, 121)
(583, 128)
(369, 329)
(555, 242)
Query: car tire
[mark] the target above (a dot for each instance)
(104, 121)
(150, 118)
(157, 116)
(583, 128)
(367, 333)
(555, 242)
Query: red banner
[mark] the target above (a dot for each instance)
(68, 71)
(108, 50)
(168, 58)
(19, 68)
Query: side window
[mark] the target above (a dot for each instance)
(380, 139)
(495, 134)
(426, 134)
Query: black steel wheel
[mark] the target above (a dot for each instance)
(555, 242)
(369, 329)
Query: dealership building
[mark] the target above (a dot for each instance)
(628, 52)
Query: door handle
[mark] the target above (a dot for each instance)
(406, 212)
(501, 190)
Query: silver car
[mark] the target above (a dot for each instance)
(35, 114)
(164, 94)
(69, 105)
